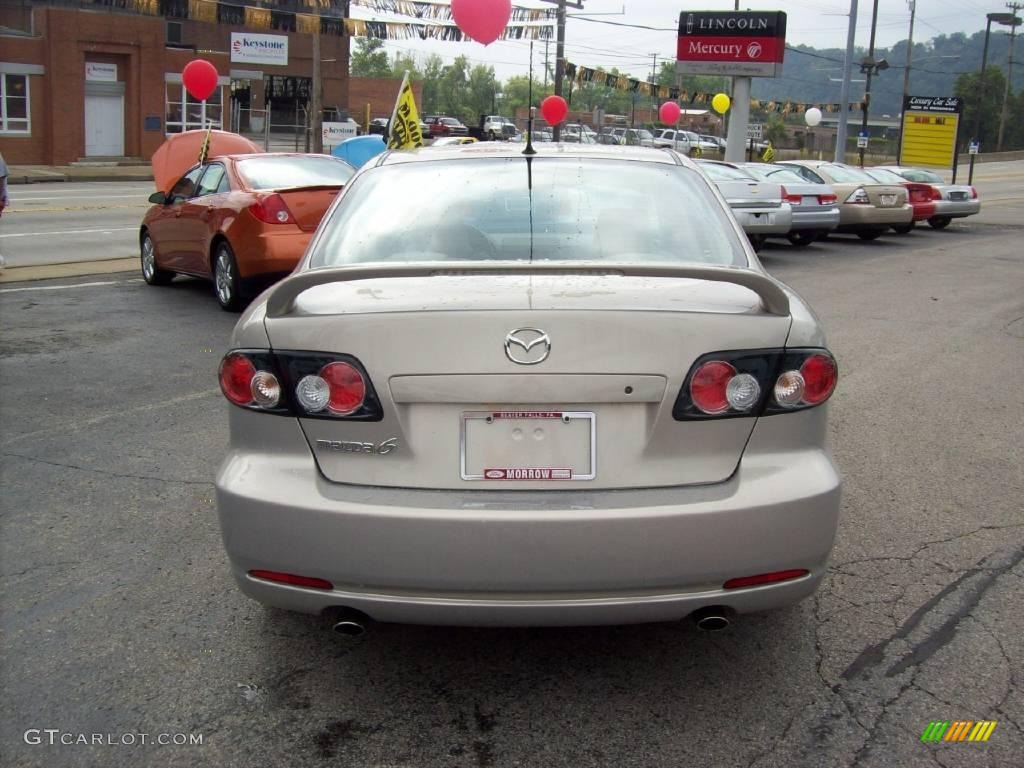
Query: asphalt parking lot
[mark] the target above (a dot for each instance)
(118, 617)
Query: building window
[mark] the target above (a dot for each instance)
(174, 32)
(14, 107)
(184, 113)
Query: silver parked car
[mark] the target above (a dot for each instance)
(952, 201)
(522, 402)
(815, 206)
(759, 206)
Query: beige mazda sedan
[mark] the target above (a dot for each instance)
(558, 390)
(866, 207)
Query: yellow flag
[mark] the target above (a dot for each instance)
(404, 129)
(204, 150)
(769, 153)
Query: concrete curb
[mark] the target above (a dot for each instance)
(74, 269)
(61, 177)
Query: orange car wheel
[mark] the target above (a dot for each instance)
(225, 278)
(151, 273)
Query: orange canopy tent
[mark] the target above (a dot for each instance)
(181, 151)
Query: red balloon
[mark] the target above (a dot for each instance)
(554, 109)
(200, 78)
(482, 20)
(669, 113)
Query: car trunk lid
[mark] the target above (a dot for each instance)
(309, 204)
(460, 410)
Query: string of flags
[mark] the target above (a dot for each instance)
(441, 10)
(404, 30)
(625, 83)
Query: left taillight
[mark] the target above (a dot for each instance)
(755, 383)
(791, 197)
(306, 384)
(271, 209)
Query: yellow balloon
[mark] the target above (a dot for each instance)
(721, 103)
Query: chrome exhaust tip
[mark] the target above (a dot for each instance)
(712, 619)
(349, 622)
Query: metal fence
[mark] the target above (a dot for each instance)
(281, 132)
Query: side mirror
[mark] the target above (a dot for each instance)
(158, 198)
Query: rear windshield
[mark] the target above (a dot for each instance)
(297, 171)
(885, 177)
(926, 177)
(843, 175)
(774, 173)
(545, 209)
(724, 172)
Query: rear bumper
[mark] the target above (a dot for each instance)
(957, 209)
(854, 216)
(815, 218)
(764, 221)
(528, 558)
(271, 253)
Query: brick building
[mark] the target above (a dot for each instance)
(102, 78)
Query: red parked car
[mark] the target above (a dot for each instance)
(921, 196)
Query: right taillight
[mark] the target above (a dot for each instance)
(827, 199)
(304, 384)
(791, 197)
(974, 194)
(755, 382)
(859, 196)
(936, 193)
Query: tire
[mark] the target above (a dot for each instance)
(225, 278)
(803, 239)
(939, 222)
(151, 273)
(870, 234)
(903, 229)
(757, 241)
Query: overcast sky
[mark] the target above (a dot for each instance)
(821, 24)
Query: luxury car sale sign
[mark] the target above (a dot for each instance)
(737, 43)
(930, 126)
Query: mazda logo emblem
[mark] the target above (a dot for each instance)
(534, 343)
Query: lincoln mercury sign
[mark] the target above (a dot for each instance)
(738, 43)
(259, 49)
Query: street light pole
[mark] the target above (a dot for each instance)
(981, 98)
(906, 82)
(1014, 7)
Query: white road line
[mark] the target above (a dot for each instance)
(74, 285)
(71, 232)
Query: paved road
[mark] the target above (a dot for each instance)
(118, 615)
(57, 223)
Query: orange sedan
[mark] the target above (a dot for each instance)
(242, 221)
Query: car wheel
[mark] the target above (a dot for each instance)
(803, 239)
(151, 273)
(903, 229)
(939, 222)
(757, 241)
(225, 278)
(870, 234)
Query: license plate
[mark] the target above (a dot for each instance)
(957, 195)
(888, 200)
(527, 445)
(764, 219)
(810, 200)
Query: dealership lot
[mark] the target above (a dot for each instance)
(119, 618)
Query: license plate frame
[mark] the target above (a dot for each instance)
(528, 473)
(888, 201)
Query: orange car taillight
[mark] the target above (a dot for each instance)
(307, 384)
(755, 383)
(271, 209)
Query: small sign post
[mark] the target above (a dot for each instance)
(974, 148)
(862, 140)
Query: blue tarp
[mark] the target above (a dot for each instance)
(359, 149)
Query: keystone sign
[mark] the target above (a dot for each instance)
(259, 49)
(738, 43)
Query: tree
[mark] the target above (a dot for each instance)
(433, 68)
(369, 59)
(452, 87)
(481, 90)
(968, 87)
(517, 93)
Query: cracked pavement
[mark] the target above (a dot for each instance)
(117, 613)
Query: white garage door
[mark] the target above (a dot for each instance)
(104, 125)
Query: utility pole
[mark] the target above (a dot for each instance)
(844, 94)
(316, 126)
(1014, 7)
(546, 41)
(906, 81)
(871, 66)
(654, 81)
(556, 133)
